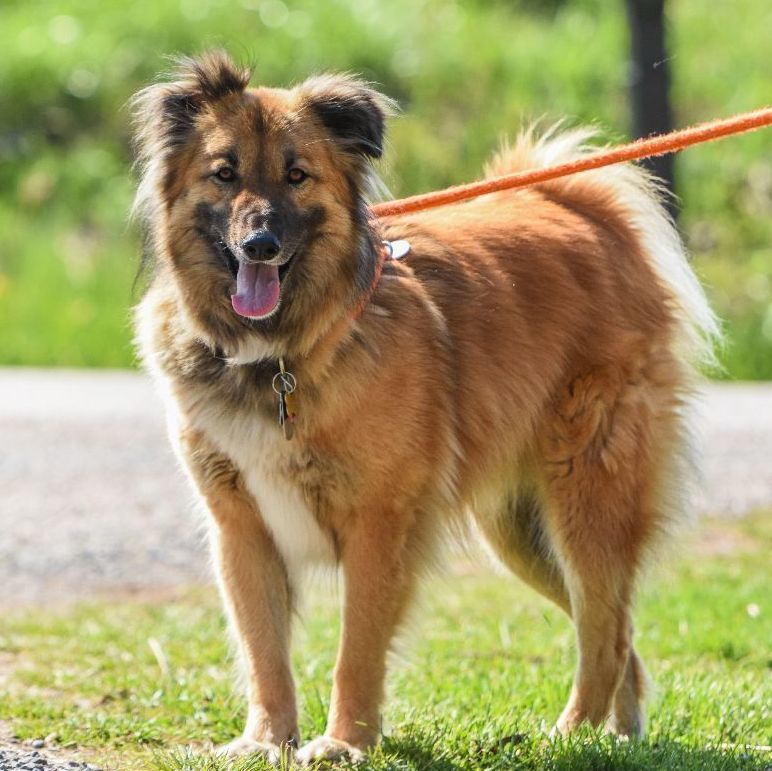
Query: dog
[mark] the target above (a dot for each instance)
(525, 370)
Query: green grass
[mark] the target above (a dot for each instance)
(466, 74)
(488, 669)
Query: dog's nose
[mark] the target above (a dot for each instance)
(261, 245)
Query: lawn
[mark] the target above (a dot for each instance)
(484, 670)
(466, 73)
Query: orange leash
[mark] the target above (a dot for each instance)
(642, 148)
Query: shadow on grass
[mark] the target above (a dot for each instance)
(583, 753)
(452, 749)
(604, 755)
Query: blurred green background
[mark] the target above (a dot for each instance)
(466, 73)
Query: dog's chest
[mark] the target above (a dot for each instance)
(276, 476)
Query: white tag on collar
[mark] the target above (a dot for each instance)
(397, 249)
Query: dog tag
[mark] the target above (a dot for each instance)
(287, 425)
(290, 406)
(286, 417)
(282, 409)
(284, 385)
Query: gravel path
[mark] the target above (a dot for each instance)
(93, 503)
(25, 760)
(37, 754)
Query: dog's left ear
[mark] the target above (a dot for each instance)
(352, 112)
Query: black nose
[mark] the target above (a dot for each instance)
(262, 245)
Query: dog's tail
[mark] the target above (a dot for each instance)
(640, 195)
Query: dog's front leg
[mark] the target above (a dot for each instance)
(378, 586)
(254, 585)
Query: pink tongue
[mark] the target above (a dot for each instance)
(257, 290)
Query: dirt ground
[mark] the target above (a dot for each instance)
(94, 504)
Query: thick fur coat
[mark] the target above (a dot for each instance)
(527, 367)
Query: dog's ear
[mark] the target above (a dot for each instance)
(352, 111)
(214, 75)
(165, 113)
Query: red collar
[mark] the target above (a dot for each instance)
(390, 250)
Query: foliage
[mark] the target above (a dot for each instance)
(466, 72)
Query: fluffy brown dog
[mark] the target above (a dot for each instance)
(526, 367)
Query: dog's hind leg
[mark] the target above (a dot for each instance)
(518, 537)
(603, 632)
(601, 446)
(627, 714)
(515, 532)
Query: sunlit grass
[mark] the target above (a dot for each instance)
(486, 669)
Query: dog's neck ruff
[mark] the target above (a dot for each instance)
(284, 382)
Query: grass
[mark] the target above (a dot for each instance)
(466, 73)
(488, 670)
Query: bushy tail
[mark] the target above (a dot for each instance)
(640, 194)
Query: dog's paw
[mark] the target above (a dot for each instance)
(329, 749)
(243, 746)
(570, 719)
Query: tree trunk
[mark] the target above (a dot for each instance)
(650, 82)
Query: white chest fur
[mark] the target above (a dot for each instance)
(293, 526)
(261, 453)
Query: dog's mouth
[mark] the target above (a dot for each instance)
(258, 285)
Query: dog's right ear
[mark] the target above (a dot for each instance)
(165, 113)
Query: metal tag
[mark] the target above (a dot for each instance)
(284, 385)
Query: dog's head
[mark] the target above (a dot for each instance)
(255, 199)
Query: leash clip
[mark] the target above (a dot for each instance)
(396, 250)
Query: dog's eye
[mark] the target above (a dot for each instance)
(225, 174)
(296, 176)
